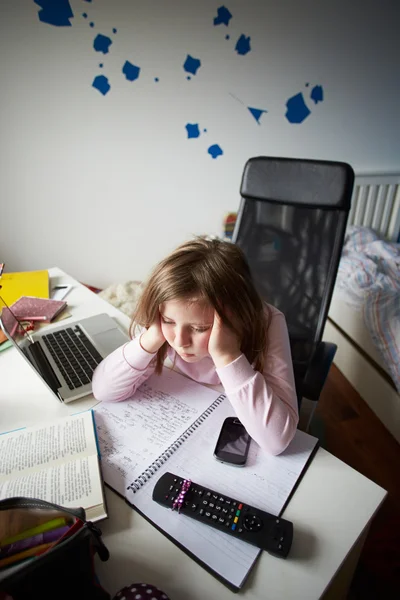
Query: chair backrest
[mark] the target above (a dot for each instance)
(291, 226)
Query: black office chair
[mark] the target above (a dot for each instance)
(291, 224)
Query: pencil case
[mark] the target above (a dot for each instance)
(47, 551)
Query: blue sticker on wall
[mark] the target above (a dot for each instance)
(243, 45)
(191, 64)
(101, 83)
(215, 150)
(297, 109)
(130, 71)
(223, 16)
(102, 43)
(257, 113)
(193, 130)
(317, 94)
(55, 12)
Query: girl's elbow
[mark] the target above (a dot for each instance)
(274, 447)
(100, 389)
(277, 443)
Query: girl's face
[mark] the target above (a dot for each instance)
(186, 325)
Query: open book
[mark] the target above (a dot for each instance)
(172, 424)
(57, 462)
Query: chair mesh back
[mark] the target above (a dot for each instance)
(293, 252)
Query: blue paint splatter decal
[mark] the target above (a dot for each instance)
(55, 12)
(102, 43)
(101, 83)
(191, 65)
(130, 71)
(193, 130)
(243, 45)
(297, 109)
(317, 94)
(257, 113)
(223, 16)
(215, 151)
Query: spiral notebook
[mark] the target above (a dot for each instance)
(172, 424)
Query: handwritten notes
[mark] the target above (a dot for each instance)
(134, 433)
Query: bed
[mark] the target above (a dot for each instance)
(364, 315)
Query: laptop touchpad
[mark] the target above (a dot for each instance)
(108, 341)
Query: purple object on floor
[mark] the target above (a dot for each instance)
(141, 591)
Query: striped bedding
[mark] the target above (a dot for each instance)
(369, 279)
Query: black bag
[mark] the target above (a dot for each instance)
(64, 571)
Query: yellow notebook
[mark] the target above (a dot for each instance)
(25, 283)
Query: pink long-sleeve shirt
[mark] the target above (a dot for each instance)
(265, 403)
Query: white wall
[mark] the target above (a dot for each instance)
(104, 186)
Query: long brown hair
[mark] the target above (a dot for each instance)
(217, 272)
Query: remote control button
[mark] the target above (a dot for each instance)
(252, 523)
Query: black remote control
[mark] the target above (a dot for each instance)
(231, 516)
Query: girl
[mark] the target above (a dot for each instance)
(201, 309)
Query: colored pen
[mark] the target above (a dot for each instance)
(35, 318)
(48, 526)
(35, 540)
(4, 562)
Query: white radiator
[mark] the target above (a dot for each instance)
(376, 204)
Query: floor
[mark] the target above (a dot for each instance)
(351, 431)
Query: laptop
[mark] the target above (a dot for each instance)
(65, 356)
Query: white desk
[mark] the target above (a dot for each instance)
(331, 509)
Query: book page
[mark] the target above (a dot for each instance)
(29, 450)
(74, 483)
(134, 433)
(264, 482)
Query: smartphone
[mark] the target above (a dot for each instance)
(233, 443)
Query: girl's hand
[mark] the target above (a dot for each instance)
(224, 344)
(152, 339)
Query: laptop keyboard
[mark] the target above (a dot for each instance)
(74, 354)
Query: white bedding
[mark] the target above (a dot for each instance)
(369, 282)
